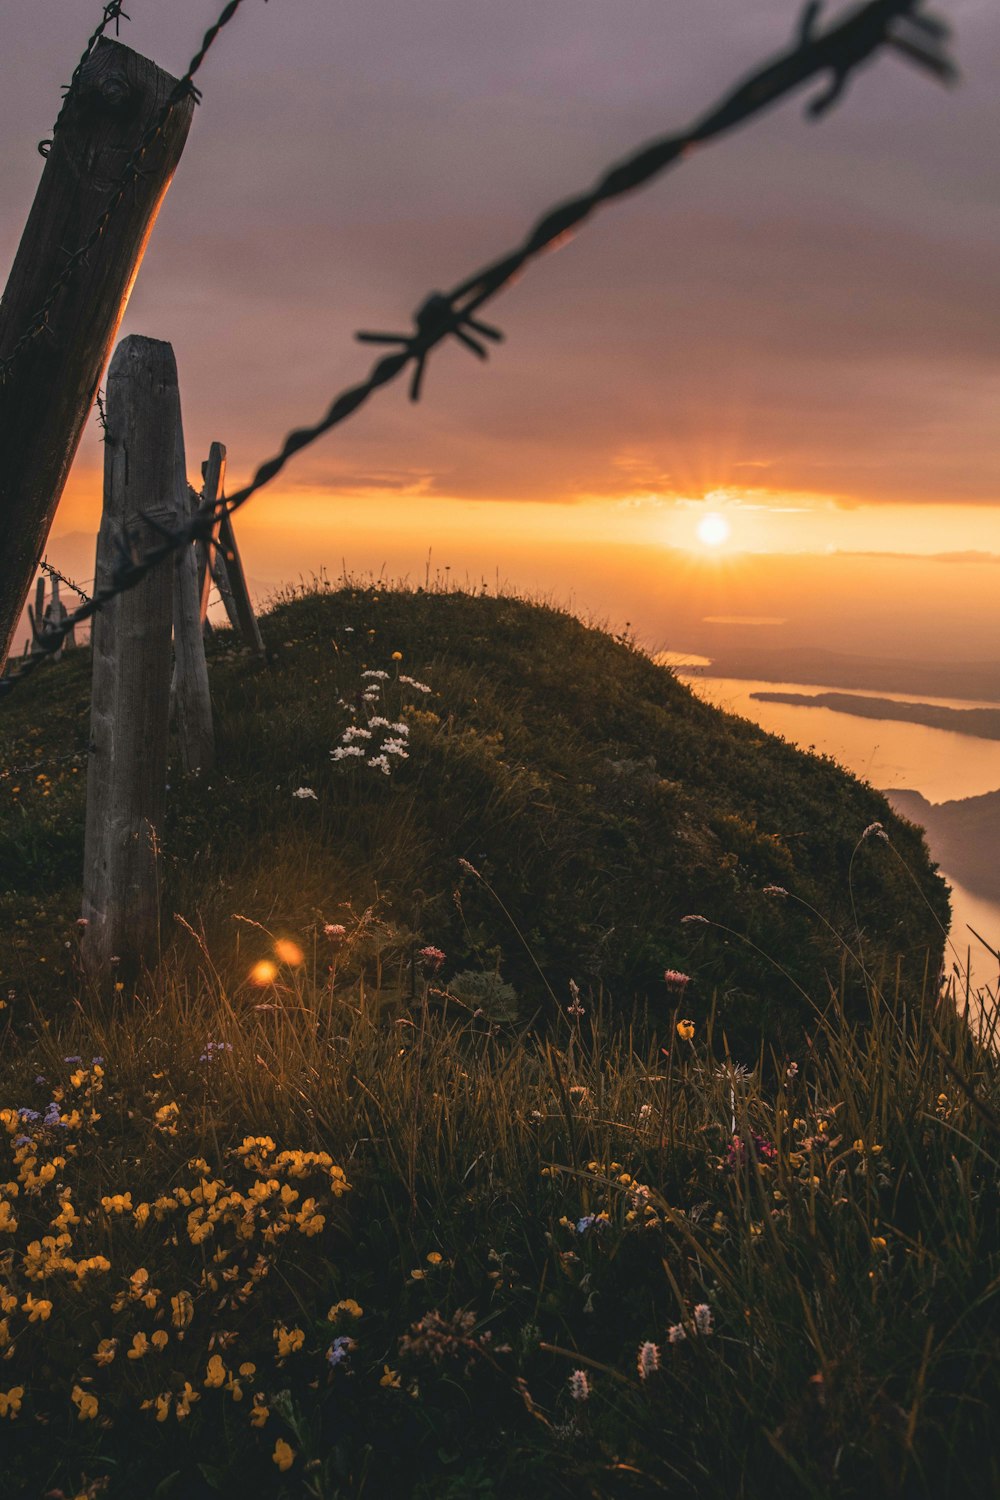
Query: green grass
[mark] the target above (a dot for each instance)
(598, 798)
(530, 1192)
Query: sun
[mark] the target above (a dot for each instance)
(713, 530)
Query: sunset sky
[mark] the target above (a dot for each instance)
(797, 329)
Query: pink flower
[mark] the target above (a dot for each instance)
(334, 930)
(675, 979)
(432, 957)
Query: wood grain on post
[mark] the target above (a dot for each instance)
(48, 395)
(126, 774)
(192, 701)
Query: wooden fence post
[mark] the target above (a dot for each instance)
(126, 774)
(191, 697)
(46, 398)
(213, 483)
(229, 552)
(57, 612)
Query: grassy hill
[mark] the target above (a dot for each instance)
(341, 1230)
(596, 799)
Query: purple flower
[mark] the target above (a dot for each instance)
(339, 1350)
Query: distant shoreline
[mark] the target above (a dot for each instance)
(978, 681)
(981, 723)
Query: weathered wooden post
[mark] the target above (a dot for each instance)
(56, 613)
(47, 394)
(191, 697)
(219, 559)
(126, 774)
(229, 550)
(213, 483)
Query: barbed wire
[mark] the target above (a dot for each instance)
(183, 89)
(112, 12)
(899, 24)
(46, 567)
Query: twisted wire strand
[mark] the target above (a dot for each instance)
(183, 89)
(112, 12)
(848, 44)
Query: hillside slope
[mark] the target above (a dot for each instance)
(597, 800)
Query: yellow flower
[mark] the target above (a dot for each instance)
(878, 1242)
(288, 1340)
(160, 1339)
(181, 1310)
(259, 1412)
(166, 1117)
(283, 1455)
(215, 1375)
(435, 1258)
(685, 1030)
(105, 1351)
(348, 1305)
(186, 1400)
(10, 1401)
(248, 1370)
(390, 1378)
(140, 1346)
(85, 1403)
(117, 1203)
(38, 1310)
(397, 656)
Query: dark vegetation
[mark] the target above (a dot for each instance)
(600, 801)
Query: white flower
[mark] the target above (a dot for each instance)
(420, 687)
(376, 674)
(355, 732)
(305, 791)
(400, 728)
(703, 1318)
(377, 722)
(579, 1385)
(372, 696)
(396, 747)
(381, 763)
(343, 751)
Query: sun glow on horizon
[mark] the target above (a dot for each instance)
(714, 530)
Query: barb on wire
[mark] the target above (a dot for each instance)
(52, 572)
(112, 12)
(900, 24)
(434, 320)
(183, 89)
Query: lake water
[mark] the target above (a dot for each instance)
(940, 764)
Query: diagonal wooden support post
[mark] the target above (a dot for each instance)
(47, 395)
(214, 482)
